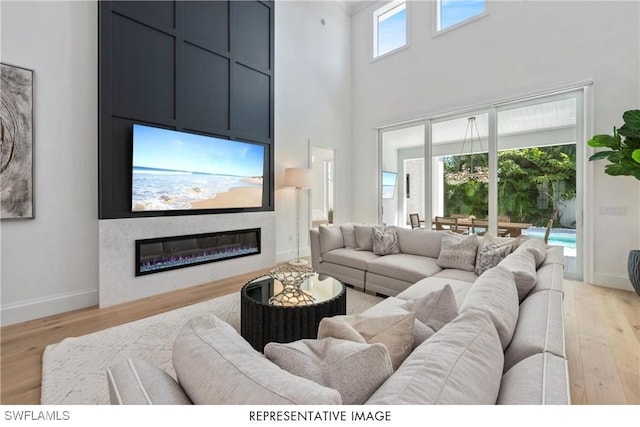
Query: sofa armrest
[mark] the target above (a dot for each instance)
(314, 242)
(135, 382)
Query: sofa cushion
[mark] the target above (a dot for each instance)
(385, 242)
(409, 268)
(460, 364)
(136, 382)
(458, 251)
(540, 379)
(420, 242)
(540, 328)
(330, 238)
(348, 235)
(496, 294)
(215, 365)
(355, 369)
(433, 311)
(460, 275)
(523, 266)
(537, 247)
(349, 258)
(489, 256)
(395, 331)
(430, 284)
(364, 236)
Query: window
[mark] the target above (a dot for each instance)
(389, 28)
(452, 12)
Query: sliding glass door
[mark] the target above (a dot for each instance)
(538, 170)
(515, 165)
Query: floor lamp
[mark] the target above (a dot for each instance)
(300, 179)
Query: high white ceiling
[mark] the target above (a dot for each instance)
(353, 6)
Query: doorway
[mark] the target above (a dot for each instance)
(322, 188)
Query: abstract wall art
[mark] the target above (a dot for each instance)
(16, 142)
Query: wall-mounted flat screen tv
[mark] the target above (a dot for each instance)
(389, 184)
(175, 170)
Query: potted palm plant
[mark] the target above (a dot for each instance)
(622, 150)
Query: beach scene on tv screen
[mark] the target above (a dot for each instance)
(181, 171)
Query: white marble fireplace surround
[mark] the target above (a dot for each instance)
(117, 280)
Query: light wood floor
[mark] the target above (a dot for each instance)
(602, 335)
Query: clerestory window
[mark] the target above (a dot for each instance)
(389, 28)
(454, 12)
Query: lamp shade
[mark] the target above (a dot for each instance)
(297, 177)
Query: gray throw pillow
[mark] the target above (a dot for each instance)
(489, 256)
(395, 331)
(433, 311)
(458, 251)
(348, 236)
(385, 242)
(364, 236)
(355, 369)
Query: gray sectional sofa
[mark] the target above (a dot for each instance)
(496, 337)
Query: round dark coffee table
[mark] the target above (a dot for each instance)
(262, 322)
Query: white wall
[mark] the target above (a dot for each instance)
(519, 48)
(50, 263)
(312, 105)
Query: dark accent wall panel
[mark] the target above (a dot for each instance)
(204, 67)
(252, 108)
(251, 45)
(206, 90)
(206, 23)
(143, 71)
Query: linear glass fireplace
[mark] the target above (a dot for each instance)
(168, 253)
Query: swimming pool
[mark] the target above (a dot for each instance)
(559, 236)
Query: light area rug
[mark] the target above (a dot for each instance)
(73, 370)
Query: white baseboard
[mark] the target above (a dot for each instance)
(612, 281)
(47, 306)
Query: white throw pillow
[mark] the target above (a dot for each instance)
(458, 251)
(355, 369)
(385, 242)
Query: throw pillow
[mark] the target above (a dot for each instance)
(514, 242)
(385, 242)
(523, 266)
(489, 256)
(433, 311)
(496, 294)
(364, 236)
(355, 369)
(461, 364)
(216, 366)
(330, 238)
(538, 249)
(395, 331)
(348, 236)
(458, 251)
